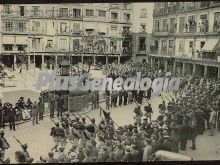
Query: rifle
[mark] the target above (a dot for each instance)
(147, 101)
(80, 116)
(171, 97)
(21, 146)
(53, 121)
(73, 115)
(168, 99)
(90, 119)
(162, 97)
(110, 117)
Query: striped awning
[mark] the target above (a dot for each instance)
(210, 45)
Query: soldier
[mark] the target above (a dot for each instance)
(3, 142)
(193, 122)
(149, 93)
(140, 96)
(147, 150)
(11, 117)
(184, 134)
(41, 108)
(212, 121)
(125, 94)
(149, 111)
(60, 103)
(120, 94)
(57, 133)
(175, 134)
(138, 115)
(107, 102)
(34, 113)
(52, 105)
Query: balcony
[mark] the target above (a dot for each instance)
(127, 34)
(101, 19)
(114, 6)
(126, 7)
(127, 21)
(50, 14)
(204, 5)
(11, 30)
(160, 33)
(114, 20)
(36, 14)
(76, 18)
(49, 48)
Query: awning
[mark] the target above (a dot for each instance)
(103, 28)
(8, 40)
(89, 26)
(210, 45)
(21, 40)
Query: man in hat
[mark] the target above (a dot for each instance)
(60, 103)
(34, 113)
(41, 108)
(147, 150)
(175, 134)
(212, 121)
(52, 103)
(11, 117)
(138, 115)
(3, 142)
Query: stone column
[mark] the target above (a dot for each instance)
(119, 59)
(183, 68)
(106, 60)
(56, 60)
(42, 63)
(219, 72)
(15, 59)
(194, 69)
(94, 60)
(174, 66)
(151, 62)
(29, 61)
(165, 65)
(205, 71)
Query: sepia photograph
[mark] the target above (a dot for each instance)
(109, 82)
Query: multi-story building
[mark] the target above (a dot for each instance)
(45, 33)
(186, 37)
(141, 30)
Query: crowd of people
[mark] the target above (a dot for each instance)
(182, 117)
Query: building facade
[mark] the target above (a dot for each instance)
(142, 29)
(186, 37)
(45, 33)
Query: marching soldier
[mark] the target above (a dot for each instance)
(138, 115)
(149, 111)
(52, 105)
(41, 108)
(34, 113)
(11, 117)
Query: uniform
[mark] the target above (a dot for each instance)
(34, 113)
(60, 103)
(52, 106)
(41, 109)
(11, 117)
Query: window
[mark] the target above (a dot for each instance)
(21, 47)
(216, 24)
(102, 13)
(114, 16)
(76, 28)
(164, 25)
(204, 23)
(157, 25)
(35, 26)
(35, 43)
(181, 46)
(171, 43)
(173, 25)
(181, 24)
(8, 47)
(49, 43)
(114, 28)
(63, 27)
(8, 26)
(63, 12)
(127, 17)
(191, 46)
(7, 9)
(143, 28)
(76, 13)
(89, 13)
(22, 10)
(21, 26)
(143, 13)
(164, 46)
(142, 45)
(35, 10)
(63, 44)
